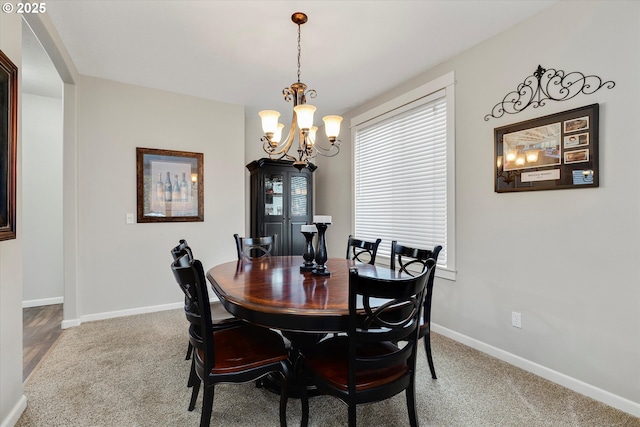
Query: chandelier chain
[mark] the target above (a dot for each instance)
(298, 53)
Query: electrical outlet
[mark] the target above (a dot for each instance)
(516, 319)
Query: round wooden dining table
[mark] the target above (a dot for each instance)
(273, 292)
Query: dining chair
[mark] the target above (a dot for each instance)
(376, 359)
(183, 249)
(410, 260)
(219, 314)
(256, 247)
(228, 353)
(183, 246)
(362, 250)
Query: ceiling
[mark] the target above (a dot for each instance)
(244, 52)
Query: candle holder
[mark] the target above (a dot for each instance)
(321, 252)
(308, 254)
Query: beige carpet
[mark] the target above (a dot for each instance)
(131, 372)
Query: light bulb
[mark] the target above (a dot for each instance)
(269, 121)
(332, 126)
(311, 138)
(277, 135)
(305, 115)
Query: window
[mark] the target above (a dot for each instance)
(404, 172)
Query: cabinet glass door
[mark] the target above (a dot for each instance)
(273, 203)
(299, 188)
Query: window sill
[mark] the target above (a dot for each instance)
(446, 274)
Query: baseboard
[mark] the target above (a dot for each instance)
(15, 413)
(66, 324)
(70, 323)
(41, 302)
(576, 385)
(130, 312)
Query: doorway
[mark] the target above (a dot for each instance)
(42, 202)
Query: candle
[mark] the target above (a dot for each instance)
(308, 229)
(322, 219)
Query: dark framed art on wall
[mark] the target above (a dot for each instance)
(8, 135)
(559, 151)
(170, 185)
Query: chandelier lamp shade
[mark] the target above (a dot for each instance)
(301, 123)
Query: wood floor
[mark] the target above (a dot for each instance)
(40, 330)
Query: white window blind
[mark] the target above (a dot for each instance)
(401, 177)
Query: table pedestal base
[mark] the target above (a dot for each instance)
(299, 342)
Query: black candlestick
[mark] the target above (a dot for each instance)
(308, 254)
(321, 252)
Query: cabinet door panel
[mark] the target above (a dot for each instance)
(274, 197)
(271, 228)
(298, 197)
(297, 242)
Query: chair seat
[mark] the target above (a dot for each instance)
(245, 347)
(330, 360)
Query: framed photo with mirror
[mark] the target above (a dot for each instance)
(558, 151)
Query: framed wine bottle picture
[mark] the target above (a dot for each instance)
(170, 185)
(8, 135)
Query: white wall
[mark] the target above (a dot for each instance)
(126, 266)
(12, 400)
(253, 151)
(42, 195)
(333, 197)
(566, 259)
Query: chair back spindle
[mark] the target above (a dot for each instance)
(256, 247)
(363, 251)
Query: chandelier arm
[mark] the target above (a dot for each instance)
(332, 151)
(288, 94)
(271, 150)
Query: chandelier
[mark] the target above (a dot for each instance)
(301, 122)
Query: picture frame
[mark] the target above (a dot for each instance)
(170, 185)
(576, 156)
(8, 146)
(576, 140)
(558, 151)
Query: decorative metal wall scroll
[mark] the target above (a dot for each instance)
(545, 85)
(548, 153)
